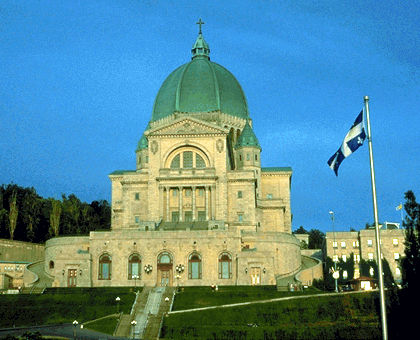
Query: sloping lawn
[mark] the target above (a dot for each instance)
(352, 316)
(63, 305)
(196, 297)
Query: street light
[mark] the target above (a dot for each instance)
(135, 277)
(335, 276)
(75, 323)
(133, 324)
(117, 299)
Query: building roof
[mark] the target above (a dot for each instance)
(200, 86)
(247, 138)
(143, 143)
(276, 169)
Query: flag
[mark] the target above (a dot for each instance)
(353, 140)
(399, 207)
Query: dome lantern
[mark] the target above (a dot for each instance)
(200, 48)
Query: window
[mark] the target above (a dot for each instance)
(187, 192)
(194, 266)
(175, 164)
(225, 266)
(239, 194)
(344, 258)
(396, 256)
(345, 274)
(164, 258)
(137, 219)
(188, 216)
(201, 215)
(343, 244)
(137, 196)
(395, 242)
(355, 244)
(248, 157)
(370, 256)
(335, 244)
(371, 271)
(51, 264)
(200, 192)
(134, 267)
(188, 160)
(199, 161)
(356, 258)
(105, 267)
(335, 258)
(175, 216)
(240, 217)
(256, 157)
(174, 192)
(369, 243)
(269, 196)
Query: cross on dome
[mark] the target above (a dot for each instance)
(200, 22)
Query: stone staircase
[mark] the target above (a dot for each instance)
(154, 323)
(123, 329)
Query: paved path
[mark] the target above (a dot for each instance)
(152, 308)
(62, 330)
(264, 301)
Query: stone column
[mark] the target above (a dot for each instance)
(213, 201)
(193, 203)
(207, 202)
(181, 192)
(168, 191)
(161, 202)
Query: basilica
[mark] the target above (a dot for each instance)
(198, 209)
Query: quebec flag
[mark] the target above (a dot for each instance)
(353, 140)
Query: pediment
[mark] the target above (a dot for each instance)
(187, 126)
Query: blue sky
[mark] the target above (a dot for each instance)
(78, 81)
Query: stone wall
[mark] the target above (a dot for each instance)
(11, 250)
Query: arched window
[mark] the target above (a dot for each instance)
(165, 258)
(105, 267)
(51, 264)
(134, 267)
(188, 158)
(194, 266)
(225, 266)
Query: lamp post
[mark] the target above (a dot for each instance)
(135, 277)
(75, 323)
(335, 276)
(117, 300)
(133, 326)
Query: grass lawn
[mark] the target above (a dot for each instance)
(331, 317)
(107, 325)
(196, 297)
(63, 305)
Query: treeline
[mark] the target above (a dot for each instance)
(26, 216)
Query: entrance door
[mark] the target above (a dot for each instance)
(255, 273)
(164, 278)
(72, 278)
(164, 269)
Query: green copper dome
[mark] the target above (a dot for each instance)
(142, 144)
(200, 86)
(247, 138)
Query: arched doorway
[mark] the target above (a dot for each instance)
(164, 269)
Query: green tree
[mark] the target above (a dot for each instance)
(348, 267)
(300, 230)
(13, 215)
(316, 239)
(410, 263)
(55, 217)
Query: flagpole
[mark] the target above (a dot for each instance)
(375, 212)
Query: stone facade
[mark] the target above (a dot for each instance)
(198, 209)
(362, 244)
